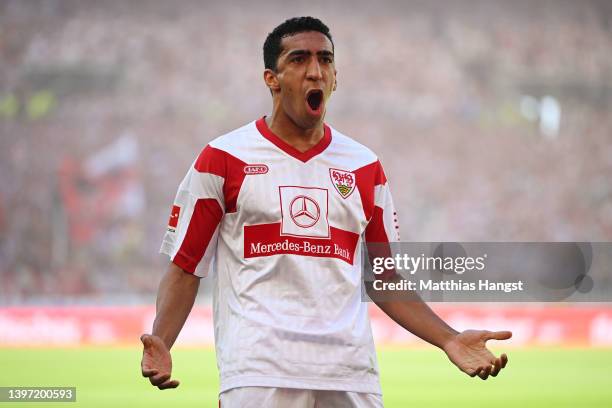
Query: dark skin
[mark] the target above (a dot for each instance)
(306, 64)
(175, 297)
(467, 349)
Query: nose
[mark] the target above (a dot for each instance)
(314, 69)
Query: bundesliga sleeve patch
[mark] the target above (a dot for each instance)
(343, 181)
(174, 217)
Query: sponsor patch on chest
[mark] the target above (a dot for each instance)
(252, 169)
(304, 211)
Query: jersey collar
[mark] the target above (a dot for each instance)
(265, 131)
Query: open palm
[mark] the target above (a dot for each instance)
(468, 351)
(156, 362)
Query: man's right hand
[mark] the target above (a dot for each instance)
(156, 362)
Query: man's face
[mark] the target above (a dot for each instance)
(305, 77)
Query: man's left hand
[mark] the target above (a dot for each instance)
(468, 351)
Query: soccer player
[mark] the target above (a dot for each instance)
(276, 211)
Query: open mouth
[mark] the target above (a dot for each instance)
(314, 98)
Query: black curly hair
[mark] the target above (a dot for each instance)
(272, 46)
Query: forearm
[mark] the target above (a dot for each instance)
(415, 316)
(175, 297)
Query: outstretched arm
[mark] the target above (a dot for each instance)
(175, 297)
(467, 350)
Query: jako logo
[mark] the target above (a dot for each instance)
(256, 169)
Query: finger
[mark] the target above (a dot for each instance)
(484, 374)
(474, 373)
(498, 335)
(504, 360)
(159, 379)
(169, 384)
(496, 367)
(149, 372)
(146, 340)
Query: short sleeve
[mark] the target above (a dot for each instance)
(191, 236)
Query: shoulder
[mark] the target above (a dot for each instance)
(360, 159)
(228, 150)
(357, 154)
(237, 140)
(233, 145)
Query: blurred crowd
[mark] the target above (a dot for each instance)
(492, 120)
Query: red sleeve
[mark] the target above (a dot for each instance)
(209, 190)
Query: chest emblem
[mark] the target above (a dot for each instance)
(343, 181)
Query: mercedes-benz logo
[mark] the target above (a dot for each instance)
(305, 211)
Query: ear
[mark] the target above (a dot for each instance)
(335, 80)
(271, 80)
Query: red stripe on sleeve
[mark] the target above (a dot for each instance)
(377, 241)
(375, 231)
(204, 221)
(223, 164)
(368, 177)
(211, 161)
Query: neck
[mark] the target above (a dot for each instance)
(296, 136)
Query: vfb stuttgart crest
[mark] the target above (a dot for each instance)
(343, 181)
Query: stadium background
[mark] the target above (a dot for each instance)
(492, 120)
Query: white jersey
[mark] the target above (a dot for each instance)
(281, 230)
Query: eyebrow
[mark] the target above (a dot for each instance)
(325, 53)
